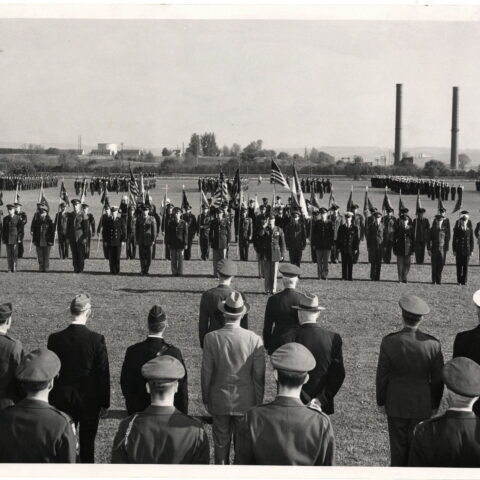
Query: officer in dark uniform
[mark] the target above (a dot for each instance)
(451, 439)
(101, 226)
(131, 221)
(375, 235)
(10, 237)
(295, 238)
(389, 222)
(462, 246)
(321, 237)
(203, 226)
(421, 229)
(146, 234)
(61, 221)
(191, 222)
(409, 378)
(161, 433)
(245, 233)
(359, 222)
(271, 433)
(348, 242)
(83, 387)
(177, 241)
(132, 383)
(77, 230)
(91, 229)
(219, 238)
(116, 234)
(167, 217)
(21, 228)
(280, 317)
(11, 354)
(437, 246)
(33, 431)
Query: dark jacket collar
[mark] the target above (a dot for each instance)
(287, 401)
(157, 410)
(32, 403)
(459, 414)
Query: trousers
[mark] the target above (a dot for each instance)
(438, 261)
(204, 248)
(347, 266)
(400, 433)
(145, 253)
(63, 247)
(87, 425)
(295, 256)
(223, 427)
(387, 252)
(260, 266)
(403, 267)
(375, 257)
(322, 263)
(176, 261)
(462, 268)
(270, 270)
(43, 255)
(131, 249)
(78, 256)
(217, 255)
(419, 252)
(114, 253)
(243, 247)
(12, 257)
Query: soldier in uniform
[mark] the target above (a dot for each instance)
(336, 220)
(168, 215)
(347, 243)
(161, 434)
(219, 238)
(403, 242)
(107, 213)
(389, 222)
(177, 240)
(32, 430)
(91, 229)
(232, 375)
(451, 439)
(375, 244)
(77, 230)
(359, 221)
(203, 226)
(43, 235)
(326, 379)
(21, 228)
(11, 354)
(270, 433)
(245, 233)
(61, 221)
(131, 221)
(10, 234)
(272, 247)
(259, 220)
(131, 380)
(409, 378)
(210, 317)
(295, 238)
(437, 246)
(115, 232)
(145, 234)
(83, 387)
(280, 317)
(462, 246)
(322, 242)
(191, 222)
(421, 229)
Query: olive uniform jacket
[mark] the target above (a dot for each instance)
(11, 354)
(177, 234)
(450, 440)
(403, 239)
(295, 235)
(219, 233)
(322, 234)
(11, 230)
(134, 384)
(47, 224)
(77, 228)
(271, 243)
(210, 318)
(439, 238)
(160, 435)
(83, 384)
(35, 432)
(409, 374)
(146, 231)
(285, 432)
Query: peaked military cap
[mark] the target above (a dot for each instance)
(414, 305)
(5, 311)
(462, 376)
(10, 206)
(163, 369)
(40, 365)
(290, 270)
(293, 357)
(75, 201)
(227, 268)
(156, 316)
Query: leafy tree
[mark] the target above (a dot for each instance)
(195, 146)
(236, 149)
(435, 168)
(226, 151)
(283, 156)
(166, 152)
(464, 161)
(357, 159)
(150, 157)
(209, 144)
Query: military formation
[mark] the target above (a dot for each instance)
(27, 182)
(111, 183)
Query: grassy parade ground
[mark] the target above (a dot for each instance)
(362, 312)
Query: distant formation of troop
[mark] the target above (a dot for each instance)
(111, 183)
(27, 182)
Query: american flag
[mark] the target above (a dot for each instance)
(277, 176)
(133, 184)
(63, 193)
(221, 193)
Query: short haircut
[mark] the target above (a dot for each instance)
(291, 379)
(157, 328)
(410, 319)
(32, 387)
(221, 275)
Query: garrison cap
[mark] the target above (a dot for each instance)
(414, 305)
(293, 357)
(80, 303)
(163, 369)
(156, 316)
(5, 312)
(75, 201)
(40, 365)
(290, 270)
(227, 268)
(376, 213)
(462, 376)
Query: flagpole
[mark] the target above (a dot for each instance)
(198, 226)
(164, 253)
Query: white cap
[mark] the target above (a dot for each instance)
(476, 298)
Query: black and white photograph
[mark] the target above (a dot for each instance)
(240, 237)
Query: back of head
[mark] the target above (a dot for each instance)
(157, 319)
(81, 306)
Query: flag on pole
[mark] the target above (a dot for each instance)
(401, 205)
(142, 188)
(331, 199)
(256, 206)
(441, 206)
(313, 199)
(300, 198)
(41, 197)
(203, 199)
(236, 189)
(63, 193)
(458, 204)
(131, 198)
(148, 198)
(221, 194)
(418, 204)
(350, 200)
(104, 199)
(367, 204)
(276, 176)
(386, 205)
(185, 203)
(133, 184)
(16, 198)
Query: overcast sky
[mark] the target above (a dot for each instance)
(290, 83)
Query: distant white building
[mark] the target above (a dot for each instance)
(106, 149)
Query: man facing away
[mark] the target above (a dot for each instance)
(83, 387)
(232, 375)
(409, 378)
(132, 383)
(161, 433)
(285, 431)
(145, 234)
(437, 246)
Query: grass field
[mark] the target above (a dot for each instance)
(361, 311)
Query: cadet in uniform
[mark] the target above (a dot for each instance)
(437, 246)
(83, 387)
(348, 242)
(43, 235)
(259, 220)
(161, 433)
(203, 225)
(451, 439)
(61, 220)
(131, 221)
(115, 233)
(245, 233)
(91, 229)
(409, 378)
(10, 234)
(389, 222)
(177, 241)
(146, 234)
(285, 431)
(191, 222)
(280, 317)
(33, 431)
(295, 238)
(336, 220)
(421, 228)
(232, 375)
(11, 354)
(107, 213)
(21, 228)
(77, 230)
(210, 318)
(359, 222)
(375, 235)
(322, 242)
(462, 246)
(219, 238)
(403, 242)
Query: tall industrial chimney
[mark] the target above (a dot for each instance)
(454, 144)
(398, 126)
